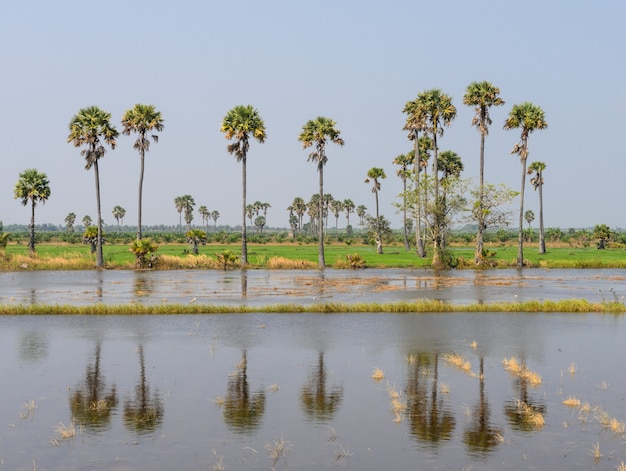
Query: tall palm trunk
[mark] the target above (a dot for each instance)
(320, 251)
(520, 232)
(99, 257)
(419, 243)
(407, 246)
(141, 167)
(542, 240)
(244, 242)
(478, 254)
(31, 239)
(379, 240)
(437, 216)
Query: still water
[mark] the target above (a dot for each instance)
(296, 391)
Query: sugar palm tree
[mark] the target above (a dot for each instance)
(87, 220)
(318, 132)
(215, 215)
(482, 96)
(299, 207)
(188, 204)
(91, 128)
(32, 187)
(527, 117)
(537, 182)
(361, 211)
(336, 206)
(450, 166)
(404, 161)
(432, 111)
(241, 124)
(195, 237)
(179, 203)
(348, 207)
(374, 175)
(143, 120)
(118, 214)
(70, 219)
(205, 214)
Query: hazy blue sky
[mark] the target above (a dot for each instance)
(357, 62)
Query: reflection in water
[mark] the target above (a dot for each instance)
(318, 402)
(244, 284)
(243, 411)
(91, 406)
(480, 436)
(527, 412)
(33, 346)
(145, 413)
(143, 285)
(430, 418)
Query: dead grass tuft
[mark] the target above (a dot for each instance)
(519, 369)
(285, 263)
(378, 375)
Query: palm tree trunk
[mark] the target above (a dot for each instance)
(379, 240)
(542, 240)
(407, 246)
(140, 193)
(31, 240)
(478, 254)
(244, 242)
(99, 257)
(419, 244)
(320, 251)
(520, 234)
(437, 216)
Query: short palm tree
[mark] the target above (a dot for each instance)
(482, 96)
(195, 237)
(90, 129)
(32, 186)
(537, 182)
(142, 120)
(318, 132)
(86, 220)
(527, 117)
(374, 175)
(241, 124)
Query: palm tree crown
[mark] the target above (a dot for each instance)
(32, 186)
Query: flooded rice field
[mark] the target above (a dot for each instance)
(366, 391)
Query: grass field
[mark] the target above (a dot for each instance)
(287, 255)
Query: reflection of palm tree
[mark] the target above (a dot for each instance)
(431, 421)
(91, 406)
(520, 411)
(318, 403)
(144, 414)
(243, 411)
(480, 437)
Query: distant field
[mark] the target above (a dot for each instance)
(77, 256)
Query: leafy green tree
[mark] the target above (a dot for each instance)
(528, 118)
(404, 161)
(374, 175)
(91, 128)
(32, 187)
(195, 237)
(318, 132)
(603, 233)
(537, 182)
(241, 124)
(70, 219)
(482, 96)
(118, 214)
(142, 120)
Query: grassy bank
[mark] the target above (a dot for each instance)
(289, 255)
(423, 306)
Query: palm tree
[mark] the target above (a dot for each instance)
(348, 206)
(86, 220)
(374, 175)
(528, 118)
(70, 219)
(239, 125)
(195, 237)
(537, 182)
(179, 203)
(299, 207)
(118, 214)
(143, 120)
(215, 215)
(188, 204)
(91, 127)
(450, 166)
(404, 161)
(482, 96)
(336, 206)
(361, 211)
(250, 212)
(32, 186)
(205, 213)
(319, 132)
(431, 111)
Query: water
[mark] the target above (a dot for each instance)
(238, 390)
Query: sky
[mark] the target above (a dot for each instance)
(357, 62)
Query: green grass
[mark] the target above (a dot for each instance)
(77, 256)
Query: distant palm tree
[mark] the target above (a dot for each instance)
(86, 221)
(205, 213)
(195, 237)
(70, 219)
(179, 203)
(143, 120)
(299, 207)
(361, 211)
(91, 127)
(319, 132)
(450, 166)
(482, 96)
(215, 215)
(118, 214)
(188, 205)
(336, 206)
(404, 161)
(528, 118)
(348, 206)
(537, 182)
(32, 186)
(240, 125)
(374, 175)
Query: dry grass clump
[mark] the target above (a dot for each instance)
(378, 375)
(172, 262)
(529, 415)
(595, 452)
(285, 263)
(456, 360)
(608, 422)
(621, 467)
(519, 369)
(572, 369)
(64, 432)
(278, 450)
(69, 261)
(398, 406)
(571, 402)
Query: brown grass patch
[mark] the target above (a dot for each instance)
(288, 264)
